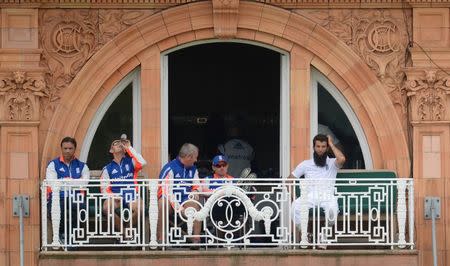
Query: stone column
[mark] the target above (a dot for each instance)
(428, 93)
(427, 89)
(22, 87)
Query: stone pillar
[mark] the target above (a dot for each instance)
(22, 87)
(151, 111)
(428, 93)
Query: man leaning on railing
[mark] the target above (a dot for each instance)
(179, 179)
(119, 181)
(322, 171)
(64, 169)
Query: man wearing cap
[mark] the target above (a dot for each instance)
(224, 220)
(126, 164)
(217, 179)
(179, 179)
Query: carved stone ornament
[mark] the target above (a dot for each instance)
(69, 38)
(428, 94)
(112, 22)
(225, 14)
(379, 37)
(20, 96)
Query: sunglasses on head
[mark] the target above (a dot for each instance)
(116, 142)
(220, 165)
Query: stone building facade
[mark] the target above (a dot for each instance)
(389, 59)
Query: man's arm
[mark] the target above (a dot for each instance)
(138, 160)
(105, 182)
(50, 174)
(167, 190)
(340, 158)
(85, 175)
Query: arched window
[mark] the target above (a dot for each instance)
(118, 114)
(331, 114)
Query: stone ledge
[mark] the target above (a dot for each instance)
(219, 253)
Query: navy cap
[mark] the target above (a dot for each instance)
(220, 158)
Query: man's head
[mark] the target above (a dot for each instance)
(68, 147)
(320, 145)
(117, 147)
(220, 165)
(188, 154)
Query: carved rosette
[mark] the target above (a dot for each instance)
(428, 91)
(20, 96)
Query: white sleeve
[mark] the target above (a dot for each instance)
(85, 175)
(104, 182)
(51, 172)
(333, 163)
(136, 157)
(299, 170)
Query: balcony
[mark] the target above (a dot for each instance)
(374, 213)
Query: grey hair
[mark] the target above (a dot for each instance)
(187, 149)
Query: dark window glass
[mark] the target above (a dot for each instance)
(332, 119)
(117, 120)
(221, 91)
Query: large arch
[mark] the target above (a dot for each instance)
(307, 42)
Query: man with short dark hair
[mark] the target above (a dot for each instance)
(322, 170)
(66, 167)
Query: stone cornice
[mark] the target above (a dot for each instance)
(288, 4)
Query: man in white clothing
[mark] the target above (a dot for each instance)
(322, 171)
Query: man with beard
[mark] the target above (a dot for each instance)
(322, 171)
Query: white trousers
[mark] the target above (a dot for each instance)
(329, 206)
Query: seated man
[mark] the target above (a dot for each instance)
(66, 167)
(179, 179)
(320, 192)
(126, 164)
(220, 169)
(224, 222)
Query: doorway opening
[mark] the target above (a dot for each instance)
(215, 88)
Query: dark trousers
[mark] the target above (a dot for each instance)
(65, 207)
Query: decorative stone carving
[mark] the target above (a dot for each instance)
(69, 38)
(20, 96)
(112, 22)
(281, 3)
(428, 92)
(380, 37)
(225, 14)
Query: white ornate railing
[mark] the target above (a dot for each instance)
(372, 212)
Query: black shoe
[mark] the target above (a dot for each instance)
(194, 247)
(196, 244)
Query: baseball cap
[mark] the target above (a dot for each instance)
(219, 158)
